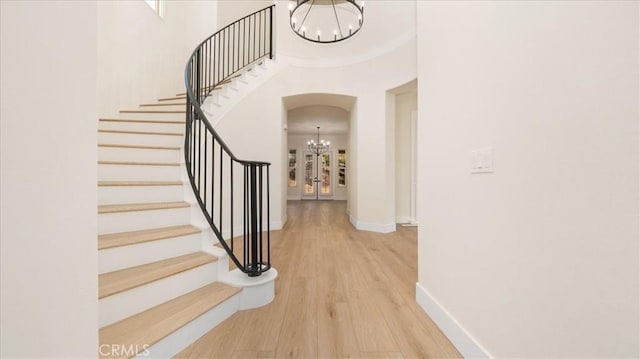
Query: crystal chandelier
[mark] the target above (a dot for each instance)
(326, 21)
(319, 147)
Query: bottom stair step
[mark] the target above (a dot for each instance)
(138, 334)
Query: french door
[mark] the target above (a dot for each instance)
(317, 173)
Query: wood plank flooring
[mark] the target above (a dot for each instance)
(340, 293)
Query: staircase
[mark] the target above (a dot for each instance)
(155, 280)
(162, 282)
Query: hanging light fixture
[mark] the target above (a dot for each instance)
(326, 21)
(319, 147)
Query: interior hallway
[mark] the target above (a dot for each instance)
(340, 293)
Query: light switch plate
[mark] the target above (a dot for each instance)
(482, 160)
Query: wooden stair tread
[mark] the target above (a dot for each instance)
(115, 145)
(138, 183)
(129, 163)
(142, 132)
(113, 240)
(132, 120)
(180, 97)
(218, 86)
(163, 104)
(153, 111)
(119, 281)
(134, 207)
(152, 325)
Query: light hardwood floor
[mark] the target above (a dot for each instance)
(340, 293)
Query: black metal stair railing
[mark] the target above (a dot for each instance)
(210, 163)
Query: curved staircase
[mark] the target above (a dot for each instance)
(155, 280)
(162, 282)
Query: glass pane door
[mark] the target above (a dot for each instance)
(325, 177)
(317, 186)
(342, 168)
(292, 168)
(309, 188)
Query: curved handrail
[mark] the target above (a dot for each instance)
(213, 63)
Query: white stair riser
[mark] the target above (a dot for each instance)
(123, 305)
(213, 102)
(140, 140)
(242, 79)
(138, 126)
(256, 70)
(138, 173)
(113, 259)
(139, 155)
(177, 341)
(154, 116)
(139, 194)
(139, 220)
(246, 83)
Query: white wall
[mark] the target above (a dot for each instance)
(352, 165)
(368, 82)
(48, 255)
(539, 258)
(231, 10)
(142, 56)
(405, 104)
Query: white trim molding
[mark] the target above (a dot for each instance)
(372, 227)
(461, 339)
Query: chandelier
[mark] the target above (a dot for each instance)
(319, 147)
(326, 21)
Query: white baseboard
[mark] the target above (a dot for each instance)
(461, 339)
(276, 225)
(372, 227)
(403, 219)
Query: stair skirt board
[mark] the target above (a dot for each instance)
(139, 194)
(219, 103)
(117, 258)
(133, 221)
(177, 341)
(122, 305)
